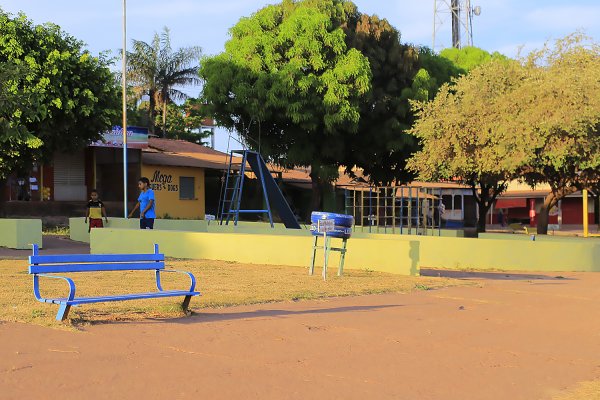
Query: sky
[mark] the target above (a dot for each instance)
(504, 25)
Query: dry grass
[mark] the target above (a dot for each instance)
(582, 391)
(222, 284)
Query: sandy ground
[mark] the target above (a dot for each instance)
(514, 336)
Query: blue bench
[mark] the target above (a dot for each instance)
(45, 266)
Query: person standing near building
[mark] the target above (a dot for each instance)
(501, 219)
(146, 203)
(95, 211)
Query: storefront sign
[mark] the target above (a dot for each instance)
(137, 138)
(160, 182)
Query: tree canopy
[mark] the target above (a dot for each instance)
(66, 96)
(184, 122)
(559, 113)
(289, 83)
(156, 71)
(469, 57)
(464, 136)
(14, 107)
(317, 84)
(382, 145)
(536, 119)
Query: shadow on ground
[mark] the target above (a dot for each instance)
(507, 276)
(203, 317)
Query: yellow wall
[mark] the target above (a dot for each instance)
(377, 255)
(164, 180)
(400, 254)
(20, 233)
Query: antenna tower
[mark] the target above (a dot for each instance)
(460, 14)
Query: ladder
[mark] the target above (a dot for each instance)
(231, 194)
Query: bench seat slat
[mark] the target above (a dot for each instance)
(92, 258)
(58, 268)
(134, 296)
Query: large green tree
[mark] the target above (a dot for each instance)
(559, 114)
(69, 96)
(401, 73)
(381, 145)
(467, 138)
(15, 106)
(291, 85)
(157, 71)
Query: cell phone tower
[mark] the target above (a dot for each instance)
(460, 14)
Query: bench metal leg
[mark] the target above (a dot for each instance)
(186, 303)
(63, 312)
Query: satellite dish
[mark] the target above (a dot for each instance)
(477, 10)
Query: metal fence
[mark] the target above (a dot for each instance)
(412, 210)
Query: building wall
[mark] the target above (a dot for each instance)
(166, 183)
(572, 211)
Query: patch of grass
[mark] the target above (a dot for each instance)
(222, 284)
(56, 230)
(420, 286)
(582, 391)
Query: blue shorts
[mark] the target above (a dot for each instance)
(146, 223)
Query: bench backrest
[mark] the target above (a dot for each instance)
(94, 262)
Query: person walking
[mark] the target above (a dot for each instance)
(146, 203)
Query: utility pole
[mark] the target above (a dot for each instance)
(124, 88)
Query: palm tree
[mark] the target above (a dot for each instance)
(155, 70)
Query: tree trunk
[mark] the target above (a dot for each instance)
(542, 219)
(164, 119)
(481, 220)
(2, 202)
(484, 203)
(316, 198)
(152, 112)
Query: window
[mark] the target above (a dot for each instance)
(447, 201)
(186, 188)
(458, 202)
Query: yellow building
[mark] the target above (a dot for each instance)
(176, 170)
(179, 191)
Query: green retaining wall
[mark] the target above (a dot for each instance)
(20, 233)
(509, 254)
(294, 250)
(401, 254)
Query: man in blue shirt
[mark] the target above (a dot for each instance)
(146, 203)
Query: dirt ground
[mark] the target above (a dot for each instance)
(514, 336)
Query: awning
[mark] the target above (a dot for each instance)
(511, 203)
